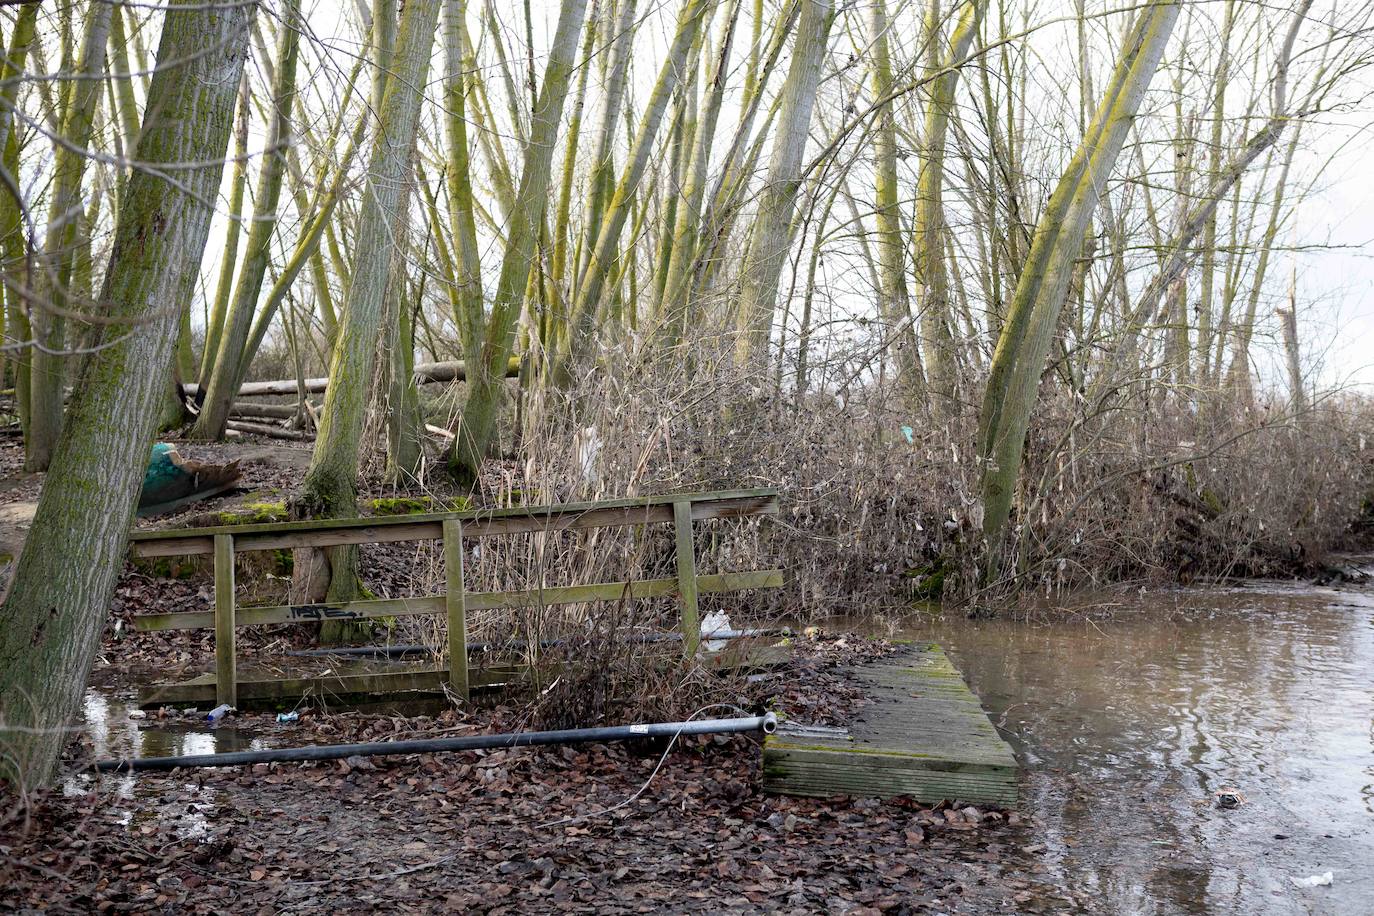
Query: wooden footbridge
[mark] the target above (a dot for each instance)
(922, 733)
(453, 605)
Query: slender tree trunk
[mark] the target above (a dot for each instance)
(458, 174)
(894, 301)
(929, 232)
(329, 489)
(687, 229)
(63, 241)
(486, 375)
(214, 322)
(620, 36)
(228, 368)
(588, 305)
(769, 239)
(13, 240)
(1019, 360)
(1297, 394)
(50, 625)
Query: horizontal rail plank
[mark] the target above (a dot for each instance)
(434, 604)
(476, 523)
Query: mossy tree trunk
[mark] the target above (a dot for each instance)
(1022, 347)
(329, 489)
(13, 240)
(63, 242)
(930, 232)
(486, 375)
(768, 242)
(50, 625)
(229, 364)
(894, 300)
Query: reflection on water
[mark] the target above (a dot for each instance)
(1128, 727)
(116, 728)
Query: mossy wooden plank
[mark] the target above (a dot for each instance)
(473, 601)
(201, 689)
(922, 733)
(477, 523)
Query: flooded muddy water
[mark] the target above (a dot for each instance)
(1139, 726)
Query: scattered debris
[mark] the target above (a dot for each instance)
(172, 481)
(1314, 881)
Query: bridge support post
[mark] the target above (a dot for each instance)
(455, 602)
(226, 678)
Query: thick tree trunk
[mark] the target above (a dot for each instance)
(50, 625)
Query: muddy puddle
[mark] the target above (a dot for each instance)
(1142, 717)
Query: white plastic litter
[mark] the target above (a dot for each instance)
(715, 622)
(1314, 880)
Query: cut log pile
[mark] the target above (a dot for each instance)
(300, 423)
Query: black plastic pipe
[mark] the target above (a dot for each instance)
(767, 724)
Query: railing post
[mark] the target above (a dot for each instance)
(455, 602)
(226, 678)
(687, 576)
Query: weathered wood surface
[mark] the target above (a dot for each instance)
(226, 694)
(425, 373)
(454, 605)
(473, 601)
(351, 681)
(476, 523)
(923, 734)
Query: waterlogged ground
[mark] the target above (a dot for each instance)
(1134, 710)
(594, 829)
(1135, 713)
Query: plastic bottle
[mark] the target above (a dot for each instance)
(219, 712)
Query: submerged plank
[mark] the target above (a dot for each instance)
(923, 734)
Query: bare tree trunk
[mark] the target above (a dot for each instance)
(928, 262)
(50, 625)
(486, 375)
(1014, 375)
(228, 367)
(329, 489)
(894, 301)
(62, 242)
(1297, 394)
(768, 241)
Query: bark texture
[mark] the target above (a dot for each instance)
(50, 625)
(1017, 364)
(330, 486)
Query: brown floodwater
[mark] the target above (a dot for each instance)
(1132, 711)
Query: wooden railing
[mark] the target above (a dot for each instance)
(221, 543)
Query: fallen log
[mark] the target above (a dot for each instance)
(251, 410)
(271, 432)
(425, 373)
